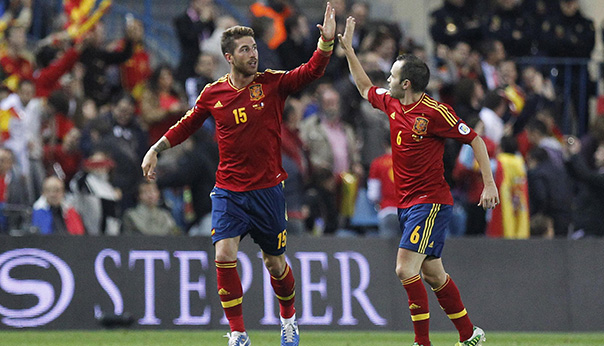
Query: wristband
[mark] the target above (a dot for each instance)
(326, 46)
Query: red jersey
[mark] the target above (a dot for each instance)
(418, 133)
(248, 124)
(381, 169)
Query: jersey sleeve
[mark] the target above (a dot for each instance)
(304, 74)
(448, 125)
(190, 122)
(378, 97)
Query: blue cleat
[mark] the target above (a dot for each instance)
(289, 332)
(238, 339)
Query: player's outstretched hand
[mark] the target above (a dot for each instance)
(489, 198)
(328, 29)
(346, 39)
(148, 165)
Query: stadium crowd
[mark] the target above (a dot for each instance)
(78, 113)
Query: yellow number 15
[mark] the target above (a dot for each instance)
(240, 116)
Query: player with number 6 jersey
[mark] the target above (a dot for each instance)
(419, 126)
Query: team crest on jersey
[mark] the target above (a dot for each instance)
(256, 92)
(421, 126)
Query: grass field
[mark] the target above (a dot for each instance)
(264, 338)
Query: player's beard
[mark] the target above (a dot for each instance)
(244, 68)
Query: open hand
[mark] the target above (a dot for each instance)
(346, 39)
(328, 29)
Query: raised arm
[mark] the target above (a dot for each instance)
(490, 196)
(361, 79)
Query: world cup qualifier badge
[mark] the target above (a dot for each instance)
(421, 126)
(256, 92)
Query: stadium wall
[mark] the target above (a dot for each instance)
(342, 283)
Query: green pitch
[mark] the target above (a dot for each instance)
(264, 338)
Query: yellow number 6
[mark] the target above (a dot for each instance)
(415, 235)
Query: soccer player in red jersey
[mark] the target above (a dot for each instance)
(418, 128)
(247, 108)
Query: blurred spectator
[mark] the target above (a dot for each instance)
(194, 173)
(510, 25)
(542, 227)
(205, 73)
(16, 13)
(455, 21)
(382, 42)
(56, 123)
(64, 159)
(468, 181)
(96, 58)
(162, 103)
(567, 33)
(278, 11)
(590, 198)
(263, 31)
(52, 214)
(550, 190)
(212, 46)
(539, 136)
(21, 117)
(126, 143)
(513, 93)
(372, 126)
(510, 219)
(14, 193)
(382, 193)
(95, 198)
(136, 70)
(147, 218)
(14, 62)
(192, 28)
(295, 162)
(299, 45)
(333, 152)
(591, 141)
(360, 11)
(493, 54)
(491, 114)
(52, 64)
(539, 95)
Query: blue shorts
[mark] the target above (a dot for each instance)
(424, 228)
(261, 213)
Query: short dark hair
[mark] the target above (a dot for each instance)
(416, 71)
(227, 41)
(493, 99)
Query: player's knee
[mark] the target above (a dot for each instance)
(434, 279)
(274, 265)
(403, 272)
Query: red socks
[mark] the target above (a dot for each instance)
(231, 294)
(418, 307)
(285, 290)
(450, 300)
